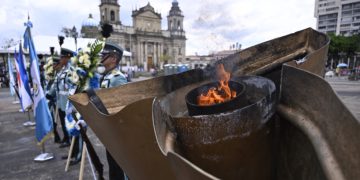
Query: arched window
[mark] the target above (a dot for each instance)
(112, 16)
(179, 27)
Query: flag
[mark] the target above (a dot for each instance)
(17, 76)
(41, 110)
(11, 77)
(23, 81)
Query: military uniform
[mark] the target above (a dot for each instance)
(112, 79)
(59, 90)
(52, 103)
(71, 128)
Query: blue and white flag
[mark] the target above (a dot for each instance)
(41, 110)
(11, 76)
(23, 81)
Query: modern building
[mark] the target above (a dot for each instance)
(150, 45)
(338, 16)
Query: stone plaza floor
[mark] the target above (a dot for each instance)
(18, 148)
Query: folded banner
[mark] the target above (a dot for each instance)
(11, 77)
(41, 110)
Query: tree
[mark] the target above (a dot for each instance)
(343, 47)
(165, 58)
(71, 32)
(6, 44)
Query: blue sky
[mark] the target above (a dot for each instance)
(210, 25)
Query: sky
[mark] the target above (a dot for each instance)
(210, 25)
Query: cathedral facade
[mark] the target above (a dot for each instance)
(150, 45)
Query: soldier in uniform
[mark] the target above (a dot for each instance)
(52, 100)
(61, 92)
(111, 56)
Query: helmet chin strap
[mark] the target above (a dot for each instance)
(114, 64)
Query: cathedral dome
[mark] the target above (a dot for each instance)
(90, 22)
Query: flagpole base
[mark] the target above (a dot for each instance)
(29, 123)
(16, 102)
(44, 157)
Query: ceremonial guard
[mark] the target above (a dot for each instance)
(60, 90)
(111, 56)
(51, 67)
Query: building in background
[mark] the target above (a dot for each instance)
(150, 45)
(341, 17)
(196, 61)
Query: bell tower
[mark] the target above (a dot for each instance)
(175, 18)
(109, 12)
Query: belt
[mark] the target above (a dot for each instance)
(65, 93)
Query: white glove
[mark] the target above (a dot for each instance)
(80, 122)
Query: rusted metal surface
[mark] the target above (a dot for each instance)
(310, 104)
(130, 127)
(115, 99)
(130, 139)
(230, 145)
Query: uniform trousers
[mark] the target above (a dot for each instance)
(63, 126)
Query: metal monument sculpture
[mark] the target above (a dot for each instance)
(287, 130)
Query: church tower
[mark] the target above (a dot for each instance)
(177, 33)
(175, 18)
(109, 12)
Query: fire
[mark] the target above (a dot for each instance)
(219, 94)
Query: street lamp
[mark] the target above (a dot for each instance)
(61, 40)
(75, 35)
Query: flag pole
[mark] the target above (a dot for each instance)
(43, 148)
(29, 122)
(43, 156)
(69, 154)
(82, 164)
(91, 165)
(42, 117)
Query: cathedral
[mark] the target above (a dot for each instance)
(151, 46)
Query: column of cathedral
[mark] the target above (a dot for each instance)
(161, 49)
(146, 58)
(138, 52)
(141, 56)
(158, 54)
(154, 54)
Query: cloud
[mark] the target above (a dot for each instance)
(226, 22)
(209, 25)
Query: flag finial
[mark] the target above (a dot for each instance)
(28, 23)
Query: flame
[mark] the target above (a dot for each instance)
(219, 94)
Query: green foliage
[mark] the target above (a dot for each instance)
(341, 44)
(165, 58)
(85, 63)
(96, 47)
